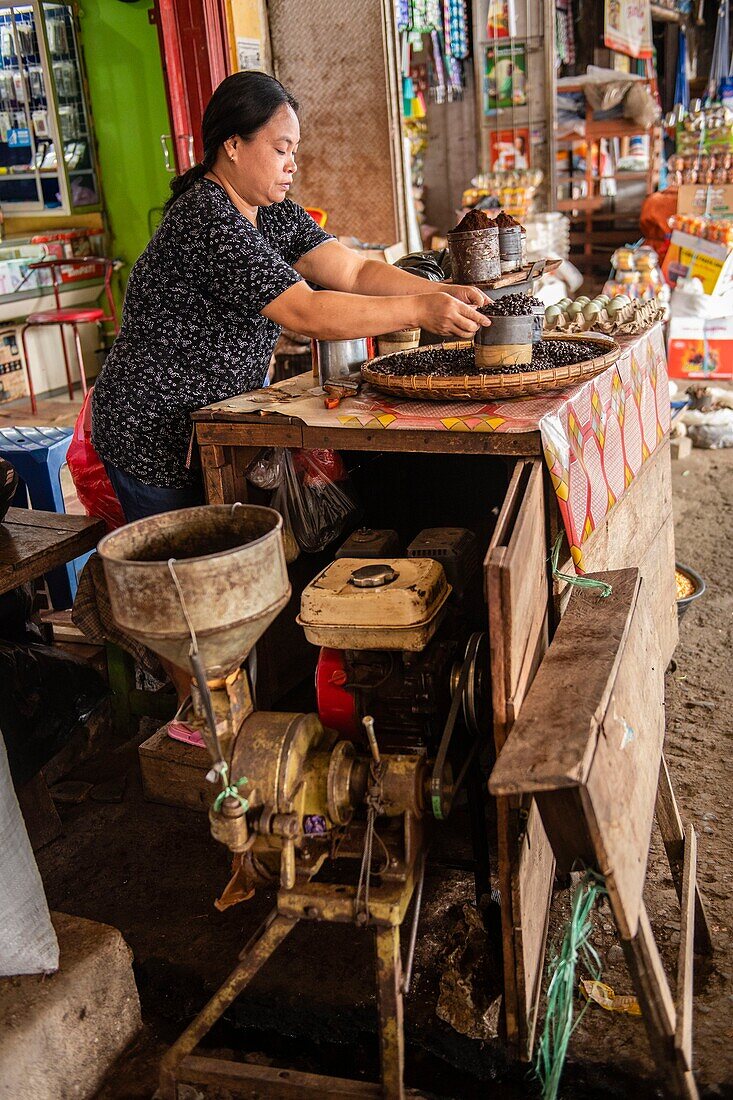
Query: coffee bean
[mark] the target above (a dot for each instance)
(448, 362)
(512, 305)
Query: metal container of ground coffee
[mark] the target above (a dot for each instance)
(510, 248)
(475, 255)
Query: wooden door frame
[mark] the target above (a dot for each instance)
(187, 92)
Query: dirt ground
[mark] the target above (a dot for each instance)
(154, 872)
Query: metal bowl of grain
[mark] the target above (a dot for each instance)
(690, 586)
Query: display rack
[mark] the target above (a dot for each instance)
(591, 205)
(47, 159)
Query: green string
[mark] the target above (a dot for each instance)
(231, 790)
(578, 582)
(558, 1026)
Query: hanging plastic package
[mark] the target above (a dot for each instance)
(266, 472)
(314, 498)
(92, 484)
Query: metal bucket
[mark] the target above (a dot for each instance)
(506, 342)
(336, 359)
(510, 248)
(475, 256)
(230, 565)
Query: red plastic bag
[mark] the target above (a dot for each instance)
(93, 486)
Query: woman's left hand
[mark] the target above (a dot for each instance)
(471, 295)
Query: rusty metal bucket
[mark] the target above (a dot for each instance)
(229, 562)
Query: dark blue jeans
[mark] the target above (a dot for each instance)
(139, 500)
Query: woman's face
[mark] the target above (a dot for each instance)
(261, 169)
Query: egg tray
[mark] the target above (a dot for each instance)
(632, 320)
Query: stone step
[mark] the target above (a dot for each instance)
(59, 1035)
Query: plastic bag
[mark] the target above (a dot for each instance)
(44, 695)
(266, 472)
(314, 498)
(640, 106)
(92, 484)
(28, 943)
(710, 431)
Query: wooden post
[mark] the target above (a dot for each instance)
(391, 1015)
(673, 837)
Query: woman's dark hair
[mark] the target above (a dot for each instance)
(241, 105)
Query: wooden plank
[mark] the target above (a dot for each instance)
(553, 742)
(657, 1009)
(28, 550)
(649, 977)
(597, 732)
(532, 887)
(416, 442)
(673, 838)
(42, 821)
(54, 521)
(518, 592)
(683, 1034)
(247, 433)
(638, 531)
(262, 432)
(518, 595)
(525, 584)
(493, 564)
(620, 791)
(253, 1082)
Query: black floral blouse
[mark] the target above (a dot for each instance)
(192, 331)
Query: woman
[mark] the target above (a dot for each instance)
(225, 270)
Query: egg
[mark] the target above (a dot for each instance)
(574, 309)
(564, 303)
(582, 301)
(552, 315)
(614, 307)
(602, 299)
(622, 300)
(592, 311)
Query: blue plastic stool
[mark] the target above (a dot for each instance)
(38, 455)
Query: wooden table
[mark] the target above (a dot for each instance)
(32, 543)
(499, 484)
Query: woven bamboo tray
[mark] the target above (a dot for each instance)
(493, 387)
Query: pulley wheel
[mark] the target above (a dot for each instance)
(477, 693)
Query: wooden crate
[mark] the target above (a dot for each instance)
(174, 773)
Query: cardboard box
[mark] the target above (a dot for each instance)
(695, 198)
(175, 773)
(708, 261)
(700, 348)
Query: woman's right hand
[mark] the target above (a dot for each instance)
(445, 315)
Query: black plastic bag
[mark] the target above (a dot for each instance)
(44, 695)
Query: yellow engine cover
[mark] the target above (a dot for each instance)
(357, 603)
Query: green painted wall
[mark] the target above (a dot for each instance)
(130, 113)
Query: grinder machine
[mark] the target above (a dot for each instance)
(295, 791)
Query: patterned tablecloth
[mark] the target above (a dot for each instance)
(595, 436)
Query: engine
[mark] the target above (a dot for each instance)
(394, 631)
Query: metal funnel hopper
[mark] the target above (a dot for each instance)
(230, 565)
